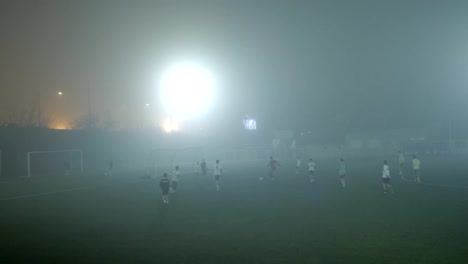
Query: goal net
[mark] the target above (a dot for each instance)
(54, 162)
(164, 160)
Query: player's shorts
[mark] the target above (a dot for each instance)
(386, 180)
(165, 191)
(311, 172)
(402, 163)
(342, 176)
(217, 177)
(416, 172)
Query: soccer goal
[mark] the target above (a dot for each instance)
(54, 162)
(165, 159)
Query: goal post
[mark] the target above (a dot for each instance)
(73, 156)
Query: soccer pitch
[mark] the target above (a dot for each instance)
(123, 220)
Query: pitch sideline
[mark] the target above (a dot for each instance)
(45, 193)
(432, 184)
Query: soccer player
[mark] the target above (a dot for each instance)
(417, 169)
(109, 169)
(342, 172)
(386, 178)
(203, 167)
(273, 164)
(217, 173)
(196, 169)
(401, 161)
(175, 179)
(311, 167)
(298, 164)
(67, 166)
(164, 184)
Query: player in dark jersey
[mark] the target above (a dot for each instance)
(273, 164)
(203, 168)
(165, 185)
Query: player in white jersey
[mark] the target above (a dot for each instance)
(401, 161)
(417, 169)
(311, 168)
(217, 173)
(298, 164)
(386, 178)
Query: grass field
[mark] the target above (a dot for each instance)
(123, 220)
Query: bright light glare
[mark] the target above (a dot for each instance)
(60, 93)
(59, 126)
(170, 126)
(187, 90)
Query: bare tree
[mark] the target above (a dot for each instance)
(87, 121)
(108, 122)
(25, 117)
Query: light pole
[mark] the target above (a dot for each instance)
(89, 107)
(39, 107)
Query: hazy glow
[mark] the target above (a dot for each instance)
(170, 126)
(60, 93)
(60, 126)
(187, 90)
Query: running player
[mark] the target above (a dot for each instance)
(311, 167)
(203, 167)
(217, 173)
(417, 169)
(401, 161)
(109, 168)
(386, 178)
(298, 164)
(273, 164)
(164, 185)
(175, 179)
(342, 172)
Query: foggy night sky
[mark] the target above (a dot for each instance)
(337, 64)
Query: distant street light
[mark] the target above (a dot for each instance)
(39, 106)
(147, 105)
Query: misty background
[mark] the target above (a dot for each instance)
(291, 64)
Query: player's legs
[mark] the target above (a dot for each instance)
(343, 181)
(385, 184)
(401, 168)
(311, 176)
(164, 195)
(297, 169)
(217, 182)
(272, 174)
(389, 186)
(174, 186)
(417, 176)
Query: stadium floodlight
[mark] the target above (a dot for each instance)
(170, 126)
(59, 93)
(187, 90)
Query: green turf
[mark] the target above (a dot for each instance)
(249, 221)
